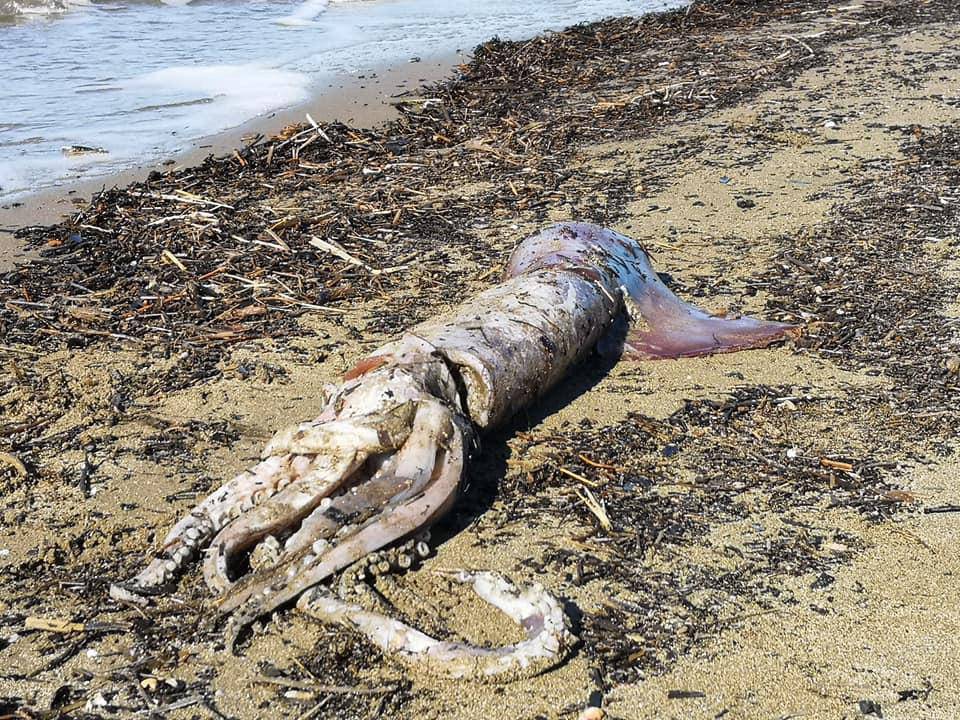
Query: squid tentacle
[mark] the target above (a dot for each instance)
(384, 400)
(195, 530)
(537, 611)
(403, 473)
(403, 515)
(333, 452)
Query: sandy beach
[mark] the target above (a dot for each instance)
(779, 527)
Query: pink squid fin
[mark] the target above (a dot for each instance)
(661, 325)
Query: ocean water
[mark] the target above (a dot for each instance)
(139, 80)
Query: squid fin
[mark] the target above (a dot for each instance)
(660, 325)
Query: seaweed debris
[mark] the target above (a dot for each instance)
(240, 246)
(870, 287)
(653, 489)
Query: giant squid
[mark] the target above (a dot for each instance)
(388, 454)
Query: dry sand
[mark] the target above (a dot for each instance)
(883, 631)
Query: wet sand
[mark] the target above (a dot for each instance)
(784, 525)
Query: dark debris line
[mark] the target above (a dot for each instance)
(869, 290)
(733, 450)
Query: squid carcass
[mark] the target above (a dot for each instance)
(387, 455)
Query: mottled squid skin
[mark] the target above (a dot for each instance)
(386, 457)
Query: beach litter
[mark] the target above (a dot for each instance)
(76, 150)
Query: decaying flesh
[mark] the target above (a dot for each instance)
(537, 611)
(386, 456)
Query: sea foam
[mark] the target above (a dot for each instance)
(38, 8)
(215, 97)
(307, 12)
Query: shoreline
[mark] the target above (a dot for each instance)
(782, 513)
(362, 101)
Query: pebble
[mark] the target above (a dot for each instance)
(96, 702)
(301, 695)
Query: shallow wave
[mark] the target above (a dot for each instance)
(242, 91)
(308, 12)
(305, 14)
(38, 8)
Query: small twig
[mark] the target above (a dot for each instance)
(950, 508)
(14, 462)
(594, 463)
(579, 478)
(315, 710)
(596, 507)
(799, 42)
